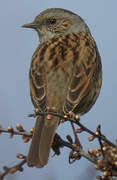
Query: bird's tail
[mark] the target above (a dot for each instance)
(42, 139)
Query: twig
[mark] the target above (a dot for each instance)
(104, 158)
(76, 122)
(62, 143)
(81, 152)
(13, 169)
(16, 132)
(99, 139)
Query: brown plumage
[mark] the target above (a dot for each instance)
(65, 72)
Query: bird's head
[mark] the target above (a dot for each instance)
(54, 22)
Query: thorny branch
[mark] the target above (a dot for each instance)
(104, 158)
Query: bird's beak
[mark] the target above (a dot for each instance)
(30, 25)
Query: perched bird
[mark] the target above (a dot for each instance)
(65, 72)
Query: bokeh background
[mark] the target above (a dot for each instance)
(16, 48)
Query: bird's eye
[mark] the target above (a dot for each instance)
(52, 21)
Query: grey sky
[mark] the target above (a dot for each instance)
(16, 48)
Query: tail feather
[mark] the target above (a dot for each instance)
(47, 136)
(42, 139)
(33, 154)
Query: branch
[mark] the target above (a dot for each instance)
(13, 169)
(76, 120)
(26, 136)
(104, 158)
(15, 132)
(80, 152)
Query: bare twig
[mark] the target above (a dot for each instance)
(75, 121)
(99, 139)
(80, 152)
(13, 169)
(104, 158)
(16, 132)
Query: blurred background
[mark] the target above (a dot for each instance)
(16, 48)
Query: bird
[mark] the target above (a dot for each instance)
(65, 73)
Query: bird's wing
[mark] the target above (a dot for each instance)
(84, 68)
(44, 130)
(37, 77)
